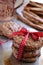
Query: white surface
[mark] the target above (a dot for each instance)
(22, 7)
(39, 1)
(18, 3)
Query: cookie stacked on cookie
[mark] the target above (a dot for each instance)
(31, 50)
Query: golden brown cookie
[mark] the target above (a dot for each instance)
(31, 54)
(30, 45)
(8, 28)
(6, 10)
(29, 60)
(24, 59)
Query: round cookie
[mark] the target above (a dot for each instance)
(7, 28)
(33, 59)
(30, 45)
(31, 54)
(27, 54)
(30, 60)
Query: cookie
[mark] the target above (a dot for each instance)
(30, 45)
(31, 54)
(27, 54)
(31, 50)
(6, 10)
(8, 28)
(29, 59)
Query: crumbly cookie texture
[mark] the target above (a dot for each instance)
(30, 45)
(31, 50)
(6, 8)
(8, 28)
(28, 54)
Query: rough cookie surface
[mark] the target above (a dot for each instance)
(8, 28)
(30, 45)
(6, 8)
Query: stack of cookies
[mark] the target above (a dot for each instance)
(7, 28)
(33, 15)
(6, 8)
(31, 51)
